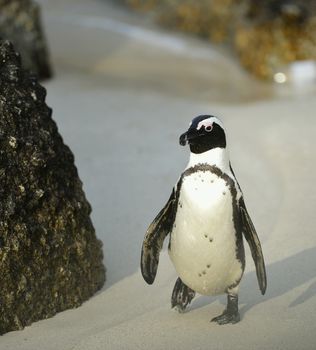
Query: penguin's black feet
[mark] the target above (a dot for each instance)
(231, 314)
(226, 317)
(182, 295)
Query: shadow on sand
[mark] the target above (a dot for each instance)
(283, 276)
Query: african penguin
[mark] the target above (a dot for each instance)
(206, 217)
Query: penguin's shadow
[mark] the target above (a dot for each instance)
(282, 277)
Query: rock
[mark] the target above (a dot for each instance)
(212, 19)
(266, 34)
(20, 23)
(275, 33)
(50, 258)
(144, 4)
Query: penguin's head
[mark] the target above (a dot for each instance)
(205, 133)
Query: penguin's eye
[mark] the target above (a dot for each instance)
(207, 124)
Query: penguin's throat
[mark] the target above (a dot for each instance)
(216, 156)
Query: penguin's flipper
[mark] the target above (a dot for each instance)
(252, 238)
(182, 296)
(153, 241)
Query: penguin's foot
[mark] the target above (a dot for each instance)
(231, 314)
(182, 295)
(226, 318)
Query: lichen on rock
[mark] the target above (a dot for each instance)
(20, 22)
(50, 258)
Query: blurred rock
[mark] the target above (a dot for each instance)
(50, 258)
(145, 4)
(213, 19)
(276, 33)
(267, 34)
(20, 23)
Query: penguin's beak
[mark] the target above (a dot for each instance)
(183, 139)
(188, 136)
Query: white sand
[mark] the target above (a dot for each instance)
(121, 101)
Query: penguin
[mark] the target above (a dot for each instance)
(206, 219)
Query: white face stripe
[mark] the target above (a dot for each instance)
(206, 123)
(209, 122)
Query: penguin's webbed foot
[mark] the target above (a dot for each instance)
(231, 314)
(182, 295)
(226, 318)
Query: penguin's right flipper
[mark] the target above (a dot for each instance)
(254, 244)
(182, 296)
(153, 241)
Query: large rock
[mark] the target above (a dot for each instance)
(50, 259)
(20, 23)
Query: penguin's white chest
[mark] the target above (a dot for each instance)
(203, 239)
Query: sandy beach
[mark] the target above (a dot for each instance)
(123, 92)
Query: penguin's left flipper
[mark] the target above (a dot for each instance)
(154, 238)
(251, 236)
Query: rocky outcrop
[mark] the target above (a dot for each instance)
(50, 258)
(20, 22)
(274, 33)
(266, 34)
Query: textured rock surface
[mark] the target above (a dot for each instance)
(266, 34)
(20, 23)
(50, 259)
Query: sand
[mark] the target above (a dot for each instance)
(122, 94)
